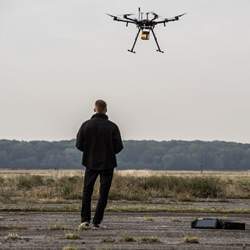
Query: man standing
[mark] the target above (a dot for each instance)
(99, 139)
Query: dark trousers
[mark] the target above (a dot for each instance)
(90, 177)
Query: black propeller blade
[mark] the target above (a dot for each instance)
(153, 13)
(177, 17)
(114, 17)
(127, 15)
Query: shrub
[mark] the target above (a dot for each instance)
(209, 187)
(27, 182)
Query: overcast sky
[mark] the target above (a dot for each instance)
(58, 56)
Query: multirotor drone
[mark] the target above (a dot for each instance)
(145, 25)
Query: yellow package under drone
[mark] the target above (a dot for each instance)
(145, 35)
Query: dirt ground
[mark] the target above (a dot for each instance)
(49, 230)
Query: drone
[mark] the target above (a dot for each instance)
(145, 25)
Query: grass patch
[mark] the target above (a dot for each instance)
(127, 238)
(150, 240)
(191, 239)
(12, 227)
(27, 182)
(125, 187)
(175, 220)
(57, 227)
(72, 236)
(70, 248)
(108, 240)
(150, 219)
(13, 236)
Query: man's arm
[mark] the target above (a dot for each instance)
(117, 140)
(80, 138)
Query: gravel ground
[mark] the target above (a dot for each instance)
(37, 231)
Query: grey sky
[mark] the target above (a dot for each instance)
(58, 56)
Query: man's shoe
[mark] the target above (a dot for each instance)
(84, 226)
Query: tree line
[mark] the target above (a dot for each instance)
(164, 155)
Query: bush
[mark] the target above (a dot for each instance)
(70, 187)
(27, 182)
(141, 188)
(209, 187)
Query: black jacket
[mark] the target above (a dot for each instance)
(99, 139)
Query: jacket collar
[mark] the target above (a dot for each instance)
(100, 115)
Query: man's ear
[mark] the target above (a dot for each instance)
(95, 110)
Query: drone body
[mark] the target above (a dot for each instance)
(145, 25)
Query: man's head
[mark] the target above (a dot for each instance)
(100, 107)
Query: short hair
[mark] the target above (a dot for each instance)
(101, 105)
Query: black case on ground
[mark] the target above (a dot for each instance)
(214, 223)
(234, 225)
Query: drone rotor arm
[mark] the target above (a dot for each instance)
(173, 19)
(125, 21)
(117, 19)
(162, 22)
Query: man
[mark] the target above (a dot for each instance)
(99, 139)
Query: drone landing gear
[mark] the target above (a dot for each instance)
(158, 46)
(136, 38)
(161, 51)
(155, 38)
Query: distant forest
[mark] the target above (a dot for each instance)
(164, 155)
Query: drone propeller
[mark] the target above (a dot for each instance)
(114, 17)
(129, 14)
(127, 17)
(177, 17)
(156, 16)
(153, 13)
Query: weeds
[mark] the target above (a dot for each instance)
(127, 238)
(57, 227)
(13, 236)
(108, 240)
(72, 236)
(142, 188)
(27, 182)
(150, 240)
(191, 239)
(70, 248)
(148, 219)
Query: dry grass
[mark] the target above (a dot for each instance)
(70, 248)
(57, 227)
(108, 240)
(72, 236)
(127, 238)
(58, 186)
(13, 236)
(150, 240)
(150, 219)
(191, 239)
